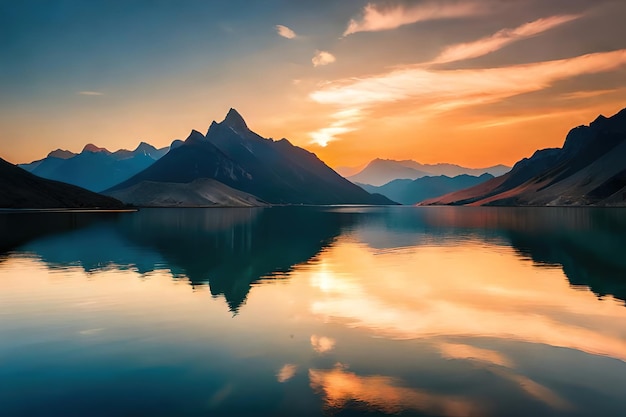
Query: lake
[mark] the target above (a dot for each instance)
(305, 311)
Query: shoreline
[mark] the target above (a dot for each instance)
(65, 210)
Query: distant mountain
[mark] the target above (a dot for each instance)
(21, 189)
(345, 171)
(142, 149)
(381, 171)
(95, 168)
(202, 192)
(413, 191)
(61, 154)
(52, 161)
(590, 169)
(274, 171)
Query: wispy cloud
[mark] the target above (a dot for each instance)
(589, 93)
(338, 387)
(434, 91)
(287, 372)
(344, 121)
(500, 39)
(285, 32)
(322, 58)
(504, 368)
(90, 93)
(511, 120)
(385, 17)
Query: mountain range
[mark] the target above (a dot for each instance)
(95, 168)
(230, 153)
(590, 169)
(21, 189)
(381, 171)
(233, 166)
(414, 191)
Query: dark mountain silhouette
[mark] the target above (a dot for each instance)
(176, 143)
(227, 249)
(382, 171)
(590, 169)
(95, 168)
(203, 192)
(413, 191)
(274, 171)
(21, 189)
(195, 158)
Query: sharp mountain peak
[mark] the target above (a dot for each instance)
(144, 146)
(234, 120)
(194, 136)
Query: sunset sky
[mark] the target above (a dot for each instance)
(470, 82)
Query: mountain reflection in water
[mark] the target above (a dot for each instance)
(228, 249)
(231, 248)
(433, 311)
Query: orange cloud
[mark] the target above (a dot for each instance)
(341, 124)
(511, 120)
(462, 351)
(377, 17)
(383, 393)
(435, 91)
(589, 94)
(500, 39)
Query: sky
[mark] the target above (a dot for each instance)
(472, 82)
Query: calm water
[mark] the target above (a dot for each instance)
(314, 311)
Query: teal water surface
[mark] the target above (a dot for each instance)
(305, 311)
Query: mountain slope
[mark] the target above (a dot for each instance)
(193, 159)
(95, 168)
(382, 171)
(202, 192)
(274, 171)
(414, 191)
(590, 169)
(57, 157)
(21, 189)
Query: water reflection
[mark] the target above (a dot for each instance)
(410, 311)
(471, 290)
(229, 249)
(341, 388)
(588, 243)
